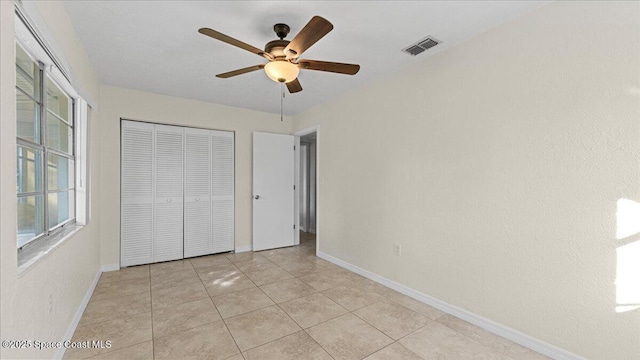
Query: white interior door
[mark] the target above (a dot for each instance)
(273, 191)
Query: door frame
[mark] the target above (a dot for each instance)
(297, 134)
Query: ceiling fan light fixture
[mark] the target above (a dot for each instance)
(281, 71)
(283, 65)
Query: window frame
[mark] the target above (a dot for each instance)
(45, 150)
(50, 150)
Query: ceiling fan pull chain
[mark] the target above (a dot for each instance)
(281, 100)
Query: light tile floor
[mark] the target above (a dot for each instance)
(278, 304)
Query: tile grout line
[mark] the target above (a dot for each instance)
(321, 292)
(431, 321)
(100, 322)
(190, 328)
(349, 312)
(306, 330)
(224, 322)
(193, 327)
(474, 340)
(303, 329)
(232, 338)
(115, 318)
(269, 342)
(396, 342)
(278, 305)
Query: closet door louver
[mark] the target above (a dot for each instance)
(197, 207)
(222, 191)
(136, 226)
(169, 203)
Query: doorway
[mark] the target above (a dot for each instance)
(307, 168)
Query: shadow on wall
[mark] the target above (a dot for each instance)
(628, 256)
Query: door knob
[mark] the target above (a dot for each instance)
(257, 197)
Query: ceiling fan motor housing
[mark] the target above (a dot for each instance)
(276, 48)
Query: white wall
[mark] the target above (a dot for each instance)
(65, 274)
(497, 166)
(119, 103)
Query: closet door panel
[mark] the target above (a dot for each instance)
(168, 240)
(223, 225)
(169, 203)
(197, 228)
(136, 215)
(222, 191)
(136, 234)
(197, 221)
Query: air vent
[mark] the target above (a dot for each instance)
(421, 46)
(415, 50)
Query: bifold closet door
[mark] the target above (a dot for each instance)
(177, 192)
(169, 201)
(222, 191)
(136, 222)
(197, 206)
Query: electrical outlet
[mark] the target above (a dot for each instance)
(397, 249)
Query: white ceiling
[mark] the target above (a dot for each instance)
(154, 45)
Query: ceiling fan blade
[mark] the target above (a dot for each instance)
(294, 86)
(315, 29)
(231, 41)
(340, 68)
(240, 71)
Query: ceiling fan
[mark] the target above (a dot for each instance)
(284, 65)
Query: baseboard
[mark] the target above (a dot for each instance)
(110, 267)
(76, 318)
(491, 326)
(241, 249)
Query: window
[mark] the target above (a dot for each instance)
(45, 154)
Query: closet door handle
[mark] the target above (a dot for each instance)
(257, 197)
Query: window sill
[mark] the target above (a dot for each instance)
(32, 254)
